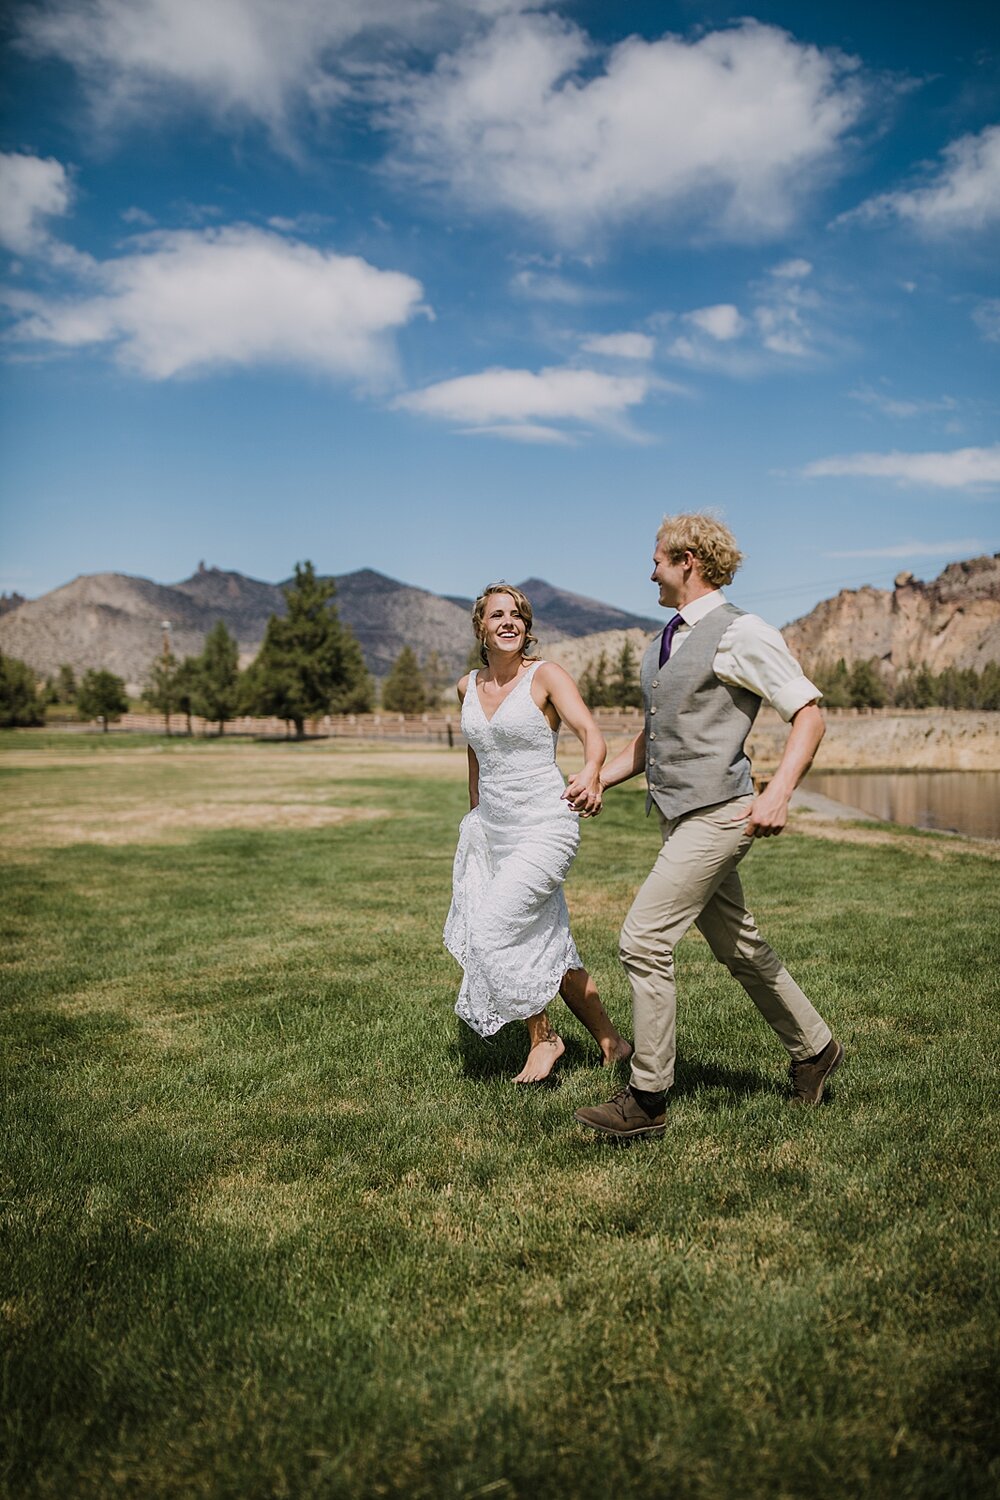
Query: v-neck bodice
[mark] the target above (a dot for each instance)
(517, 740)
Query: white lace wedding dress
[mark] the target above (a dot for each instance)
(508, 925)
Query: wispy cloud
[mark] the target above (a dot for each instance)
(781, 324)
(524, 404)
(620, 345)
(551, 286)
(729, 132)
(962, 469)
(903, 407)
(239, 60)
(903, 551)
(962, 193)
(986, 317)
(792, 270)
(182, 302)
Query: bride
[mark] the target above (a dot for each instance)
(508, 925)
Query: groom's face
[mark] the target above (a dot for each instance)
(670, 576)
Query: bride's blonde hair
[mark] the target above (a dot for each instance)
(523, 609)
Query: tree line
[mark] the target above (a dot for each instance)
(310, 664)
(863, 686)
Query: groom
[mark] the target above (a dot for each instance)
(702, 684)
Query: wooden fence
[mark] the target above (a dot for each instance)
(429, 728)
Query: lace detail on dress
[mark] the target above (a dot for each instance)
(508, 925)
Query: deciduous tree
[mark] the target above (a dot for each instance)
(19, 701)
(101, 695)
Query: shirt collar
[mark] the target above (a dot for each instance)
(702, 606)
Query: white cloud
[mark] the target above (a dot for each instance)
(522, 432)
(729, 131)
(893, 406)
(523, 404)
(987, 319)
(721, 322)
(186, 301)
(620, 345)
(549, 286)
(963, 468)
(780, 326)
(792, 270)
(966, 547)
(33, 189)
(249, 59)
(963, 195)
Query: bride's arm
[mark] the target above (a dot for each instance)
(463, 688)
(583, 792)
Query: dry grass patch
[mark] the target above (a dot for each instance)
(930, 845)
(154, 823)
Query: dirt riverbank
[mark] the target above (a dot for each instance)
(931, 739)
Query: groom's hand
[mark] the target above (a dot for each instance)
(767, 814)
(584, 795)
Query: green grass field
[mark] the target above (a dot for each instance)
(275, 1225)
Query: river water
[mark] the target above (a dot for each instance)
(954, 801)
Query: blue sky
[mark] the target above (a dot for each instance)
(465, 289)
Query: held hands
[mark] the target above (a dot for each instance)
(584, 793)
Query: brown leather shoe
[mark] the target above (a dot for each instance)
(624, 1117)
(809, 1078)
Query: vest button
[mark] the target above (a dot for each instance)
(653, 708)
(652, 734)
(656, 682)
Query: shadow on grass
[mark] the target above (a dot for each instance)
(695, 1077)
(502, 1055)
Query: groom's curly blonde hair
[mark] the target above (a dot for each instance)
(712, 543)
(523, 609)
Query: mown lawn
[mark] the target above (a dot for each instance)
(275, 1225)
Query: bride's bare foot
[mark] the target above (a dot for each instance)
(541, 1059)
(618, 1051)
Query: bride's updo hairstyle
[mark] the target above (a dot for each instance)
(523, 609)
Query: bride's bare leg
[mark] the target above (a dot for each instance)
(545, 1051)
(580, 993)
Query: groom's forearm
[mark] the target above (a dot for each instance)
(627, 763)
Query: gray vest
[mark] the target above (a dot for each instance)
(695, 725)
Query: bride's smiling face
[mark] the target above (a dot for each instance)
(503, 628)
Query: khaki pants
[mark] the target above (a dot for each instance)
(695, 879)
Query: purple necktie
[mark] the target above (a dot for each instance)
(669, 631)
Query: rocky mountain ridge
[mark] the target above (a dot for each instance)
(953, 621)
(118, 621)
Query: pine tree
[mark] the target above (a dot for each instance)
(65, 684)
(625, 690)
(310, 662)
(215, 686)
(403, 691)
(594, 689)
(834, 684)
(101, 695)
(436, 678)
(185, 684)
(162, 689)
(867, 690)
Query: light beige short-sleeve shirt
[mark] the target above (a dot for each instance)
(753, 655)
